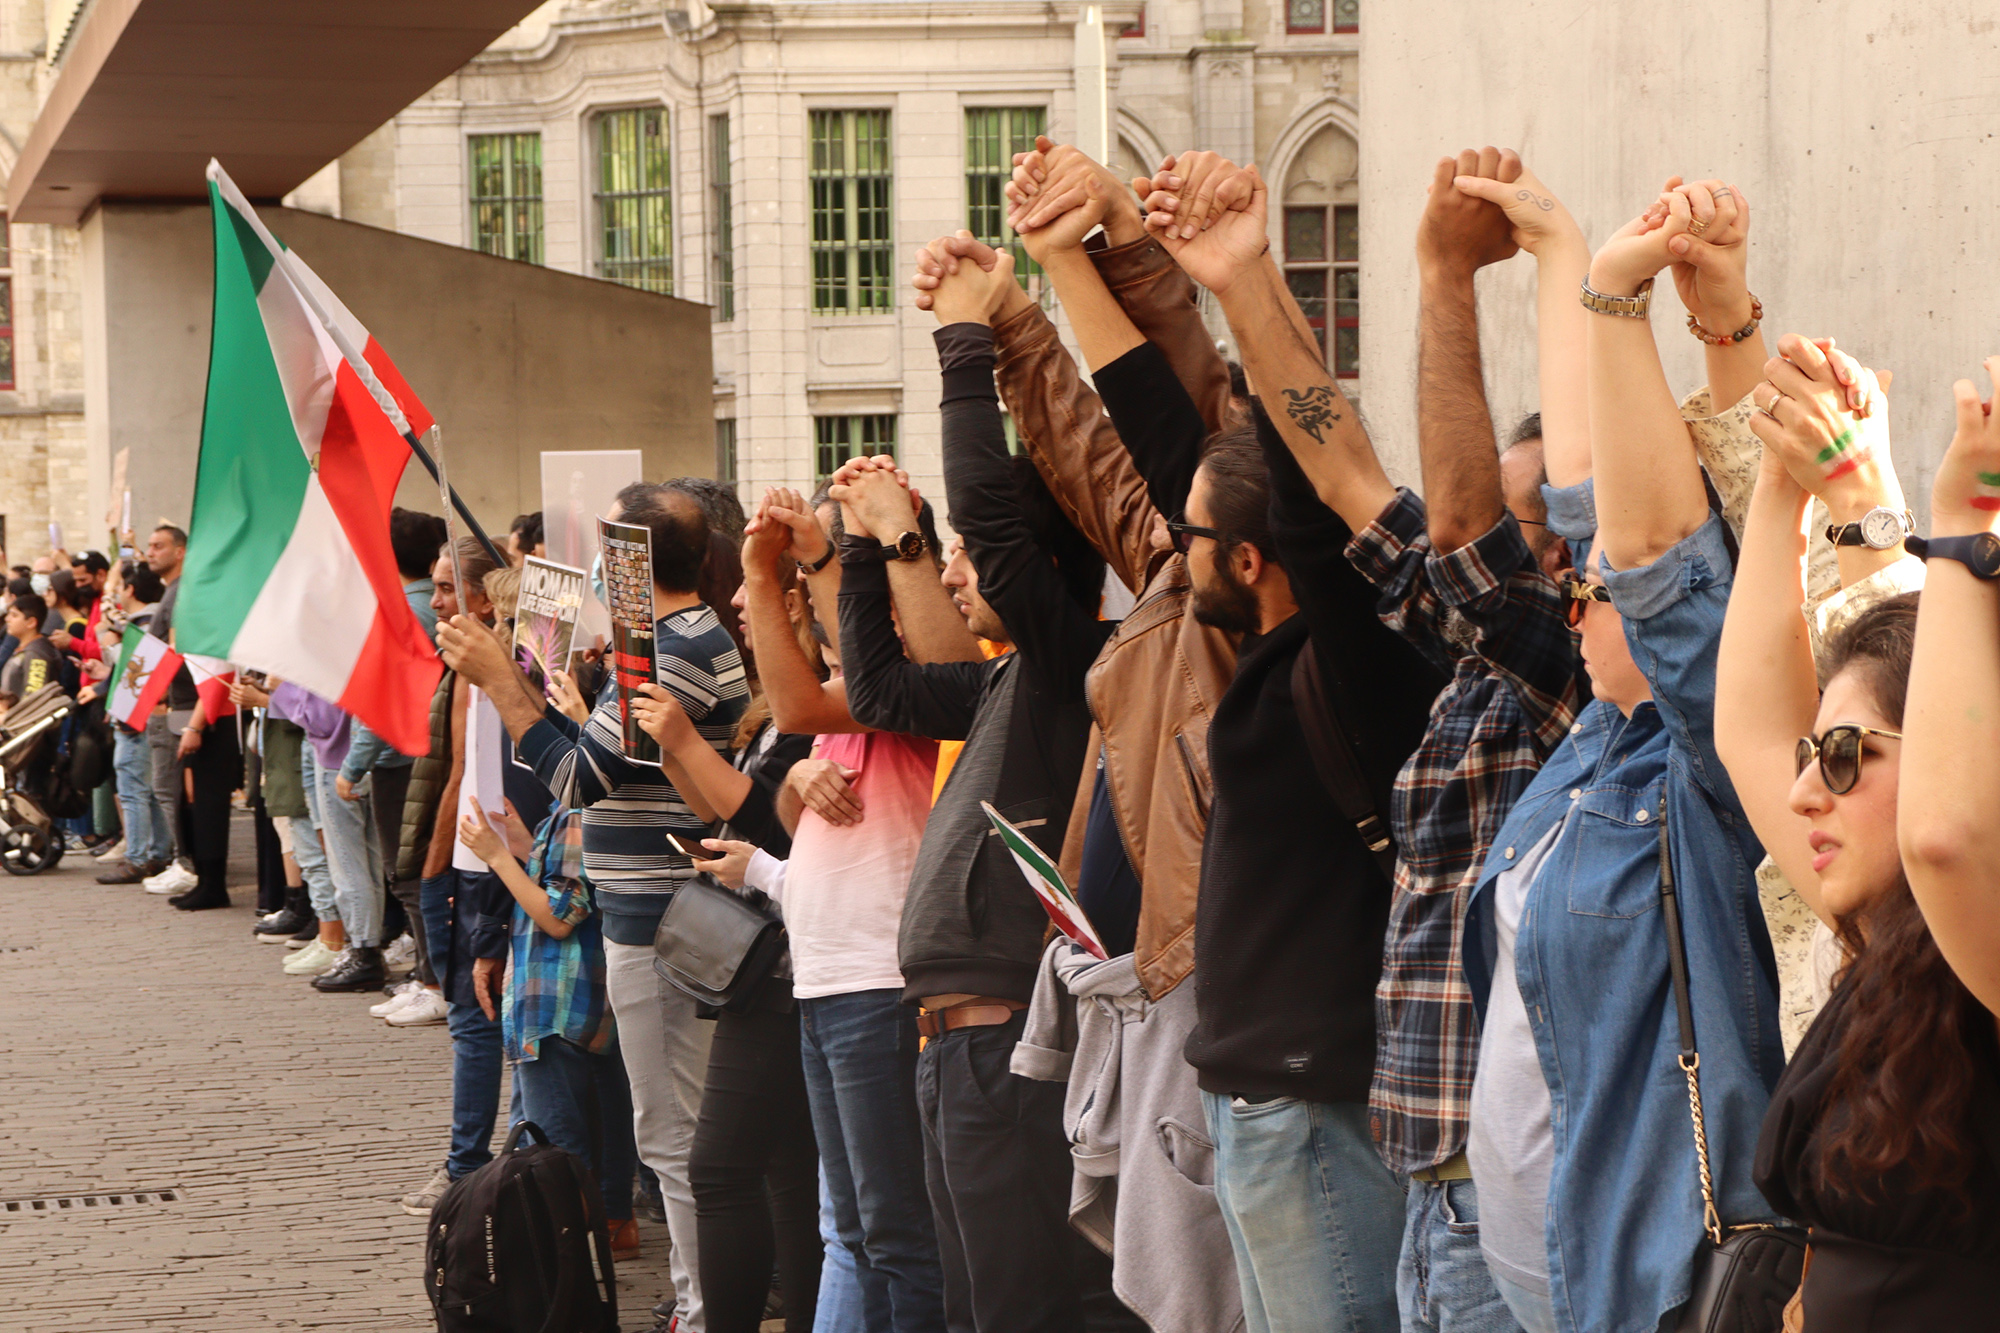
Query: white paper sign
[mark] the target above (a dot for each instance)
(482, 781)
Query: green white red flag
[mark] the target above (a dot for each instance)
(289, 568)
(146, 666)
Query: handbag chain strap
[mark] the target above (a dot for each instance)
(1690, 1057)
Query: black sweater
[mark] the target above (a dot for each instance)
(971, 924)
(1293, 907)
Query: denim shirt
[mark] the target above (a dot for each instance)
(1625, 1210)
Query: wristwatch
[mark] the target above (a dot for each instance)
(807, 571)
(1879, 529)
(908, 546)
(1979, 553)
(1638, 305)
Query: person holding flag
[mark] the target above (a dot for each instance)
(148, 833)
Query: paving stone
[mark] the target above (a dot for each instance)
(149, 1049)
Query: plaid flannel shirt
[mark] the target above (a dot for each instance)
(555, 987)
(1489, 615)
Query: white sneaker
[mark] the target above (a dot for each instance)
(424, 1006)
(113, 854)
(176, 878)
(312, 960)
(402, 952)
(398, 995)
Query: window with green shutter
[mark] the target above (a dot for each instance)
(851, 234)
(993, 134)
(838, 439)
(635, 211)
(507, 195)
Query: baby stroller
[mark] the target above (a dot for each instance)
(29, 732)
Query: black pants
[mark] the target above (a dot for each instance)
(217, 768)
(388, 787)
(998, 1166)
(754, 1169)
(270, 861)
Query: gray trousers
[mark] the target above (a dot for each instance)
(166, 778)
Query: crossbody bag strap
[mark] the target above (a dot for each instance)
(1333, 755)
(1690, 1057)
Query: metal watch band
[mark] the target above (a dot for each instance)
(1639, 305)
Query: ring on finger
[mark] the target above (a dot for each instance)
(1770, 409)
(1697, 227)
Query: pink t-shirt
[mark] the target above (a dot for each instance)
(844, 887)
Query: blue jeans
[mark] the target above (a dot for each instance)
(306, 850)
(1315, 1219)
(860, 1055)
(1442, 1282)
(839, 1309)
(353, 852)
(149, 836)
(562, 1089)
(476, 1054)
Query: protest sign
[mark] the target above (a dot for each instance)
(628, 593)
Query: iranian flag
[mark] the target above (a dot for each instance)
(288, 568)
(212, 679)
(146, 666)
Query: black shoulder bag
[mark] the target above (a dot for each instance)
(1743, 1275)
(1333, 755)
(716, 945)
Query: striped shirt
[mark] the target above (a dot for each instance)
(630, 807)
(1490, 615)
(555, 987)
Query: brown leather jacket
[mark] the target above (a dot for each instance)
(1155, 686)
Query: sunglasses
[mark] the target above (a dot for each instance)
(1575, 593)
(1183, 534)
(1838, 750)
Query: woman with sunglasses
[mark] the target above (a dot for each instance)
(1874, 1136)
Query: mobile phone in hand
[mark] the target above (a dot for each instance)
(692, 849)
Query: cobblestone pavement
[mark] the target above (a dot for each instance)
(148, 1049)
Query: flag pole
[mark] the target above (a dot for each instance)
(352, 354)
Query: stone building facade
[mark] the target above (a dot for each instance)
(44, 477)
(780, 161)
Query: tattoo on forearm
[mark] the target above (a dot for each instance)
(1529, 196)
(1312, 409)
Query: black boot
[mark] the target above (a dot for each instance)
(201, 899)
(355, 969)
(295, 916)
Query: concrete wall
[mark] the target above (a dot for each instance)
(1861, 133)
(512, 359)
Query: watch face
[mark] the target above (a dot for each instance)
(909, 546)
(1881, 528)
(1986, 555)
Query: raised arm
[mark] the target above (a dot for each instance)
(1544, 228)
(1648, 482)
(1710, 275)
(784, 530)
(878, 505)
(1460, 233)
(1231, 257)
(1949, 777)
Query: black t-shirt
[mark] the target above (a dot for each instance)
(29, 668)
(1896, 1258)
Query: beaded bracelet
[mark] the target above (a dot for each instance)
(1730, 339)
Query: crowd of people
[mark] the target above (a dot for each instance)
(1504, 894)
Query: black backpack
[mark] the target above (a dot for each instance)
(521, 1246)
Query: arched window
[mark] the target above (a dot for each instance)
(1320, 244)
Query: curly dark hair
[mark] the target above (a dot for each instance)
(1897, 1106)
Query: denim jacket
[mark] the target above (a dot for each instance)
(1624, 1203)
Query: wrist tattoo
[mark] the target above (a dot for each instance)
(1312, 409)
(1530, 197)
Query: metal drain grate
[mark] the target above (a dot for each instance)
(84, 1203)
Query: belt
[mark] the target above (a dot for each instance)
(979, 1013)
(1453, 1168)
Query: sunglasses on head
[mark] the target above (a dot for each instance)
(1575, 593)
(1182, 534)
(1838, 750)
